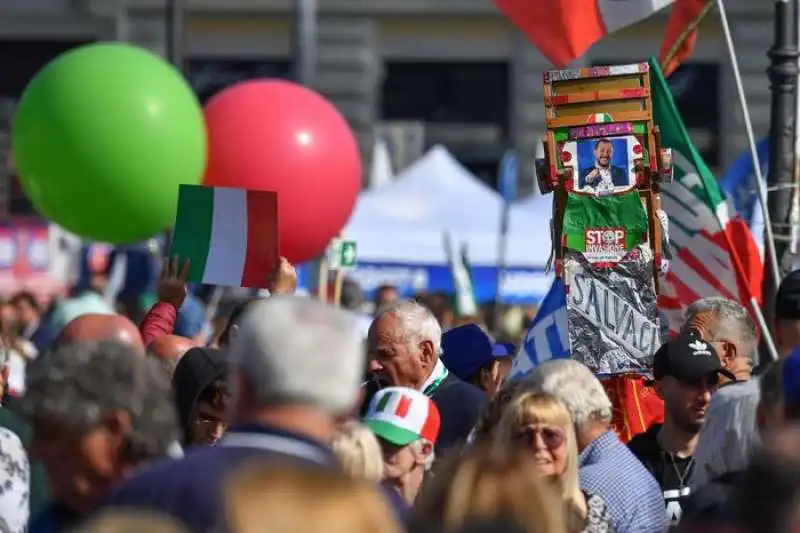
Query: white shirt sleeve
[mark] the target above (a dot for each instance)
(14, 483)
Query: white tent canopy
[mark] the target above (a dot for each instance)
(405, 222)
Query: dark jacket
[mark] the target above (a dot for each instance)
(197, 369)
(190, 489)
(460, 404)
(708, 505)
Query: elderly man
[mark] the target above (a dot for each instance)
(98, 411)
(727, 326)
(98, 327)
(606, 466)
(296, 368)
(405, 342)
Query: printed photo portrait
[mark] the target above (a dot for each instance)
(603, 165)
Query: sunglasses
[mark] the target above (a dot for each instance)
(551, 437)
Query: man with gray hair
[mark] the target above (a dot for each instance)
(98, 411)
(297, 364)
(606, 467)
(405, 344)
(727, 326)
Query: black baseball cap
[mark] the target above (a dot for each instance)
(787, 302)
(687, 358)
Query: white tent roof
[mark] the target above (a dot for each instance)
(381, 173)
(405, 221)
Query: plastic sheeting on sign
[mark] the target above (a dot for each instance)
(614, 326)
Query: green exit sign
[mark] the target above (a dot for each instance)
(341, 254)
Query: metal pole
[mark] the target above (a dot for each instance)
(175, 25)
(304, 41)
(783, 72)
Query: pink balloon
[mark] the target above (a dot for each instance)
(279, 136)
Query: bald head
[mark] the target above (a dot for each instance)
(94, 327)
(170, 347)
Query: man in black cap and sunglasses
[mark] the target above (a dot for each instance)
(687, 372)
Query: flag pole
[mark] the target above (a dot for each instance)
(761, 189)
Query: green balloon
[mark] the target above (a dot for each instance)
(103, 137)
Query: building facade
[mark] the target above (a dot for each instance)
(414, 72)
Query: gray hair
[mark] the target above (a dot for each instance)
(576, 387)
(295, 350)
(733, 323)
(417, 322)
(80, 383)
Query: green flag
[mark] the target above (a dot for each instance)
(713, 250)
(465, 304)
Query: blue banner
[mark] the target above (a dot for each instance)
(547, 337)
(520, 285)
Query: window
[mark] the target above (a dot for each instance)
(210, 76)
(19, 63)
(472, 99)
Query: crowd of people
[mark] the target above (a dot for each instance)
(296, 415)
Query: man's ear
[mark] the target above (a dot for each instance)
(729, 353)
(427, 354)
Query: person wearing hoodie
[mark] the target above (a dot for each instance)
(687, 371)
(200, 387)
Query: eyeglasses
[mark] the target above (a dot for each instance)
(551, 437)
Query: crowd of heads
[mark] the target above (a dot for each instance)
(538, 453)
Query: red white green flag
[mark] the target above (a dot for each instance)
(563, 30)
(229, 235)
(714, 253)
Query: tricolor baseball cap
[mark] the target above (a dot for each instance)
(401, 416)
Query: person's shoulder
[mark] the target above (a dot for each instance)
(11, 447)
(645, 444)
(463, 391)
(165, 475)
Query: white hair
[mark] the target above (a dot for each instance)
(733, 323)
(417, 322)
(295, 350)
(576, 387)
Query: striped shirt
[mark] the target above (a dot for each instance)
(632, 495)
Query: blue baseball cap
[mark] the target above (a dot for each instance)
(467, 348)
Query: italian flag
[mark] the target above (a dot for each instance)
(465, 303)
(563, 30)
(229, 235)
(714, 253)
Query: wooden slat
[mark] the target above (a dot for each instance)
(597, 96)
(621, 116)
(552, 76)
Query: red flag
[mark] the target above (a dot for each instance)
(563, 30)
(681, 33)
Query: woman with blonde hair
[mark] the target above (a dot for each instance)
(358, 451)
(271, 499)
(541, 426)
(488, 485)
